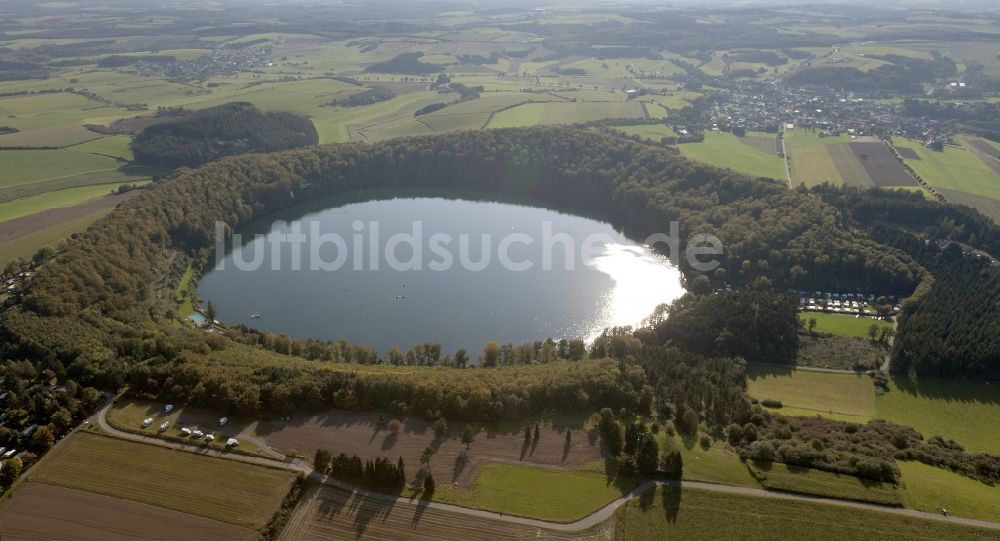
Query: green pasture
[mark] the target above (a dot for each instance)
(848, 396)
(727, 150)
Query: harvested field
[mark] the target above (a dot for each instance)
(38, 512)
(908, 153)
(880, 164)
(356, 433)
(214, 488)
(328, 513)
(27, 225)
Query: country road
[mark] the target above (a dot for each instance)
(599, 516)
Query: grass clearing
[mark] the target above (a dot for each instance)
(675, 513)
(965, 411)
(820, 393)
(726, 150)
(838, 352)
(843, 324)
(929, 489)
(778, 476)
(224, 490)
(560, 496)
(529, 114)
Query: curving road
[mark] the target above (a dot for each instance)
(599, 516)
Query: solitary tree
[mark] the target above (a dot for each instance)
(537, 433)
(428, 485)
(569, 436)
(812, 325)
(395, 426)
(467, 436)
(872, 331)
(210, 311)
(527, 435)
(425, 457)
(491, 354)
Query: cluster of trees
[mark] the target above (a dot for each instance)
(634, 450)
(369, 96)
(868, 451)
(40, 403)
(757, 325)
(406, 64)
(15, 70)
(378, 473)
(233, 128)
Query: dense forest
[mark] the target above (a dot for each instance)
(405, 63)
(902, 75)
(13, 70)
(372, 95)
(199, 137)
(948, 327)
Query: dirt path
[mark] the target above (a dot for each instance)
(597, 517)
(26, 225)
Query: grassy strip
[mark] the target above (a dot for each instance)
(674, 513)
(554, 495)
(929, 488)
(778, 476)
(25, 247)
(842, 324)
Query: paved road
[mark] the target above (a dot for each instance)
(300, 466)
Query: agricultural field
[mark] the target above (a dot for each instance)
(932, 406)
(969, 171)
(813, 160)
(850, 396)
(743, 154)
(327, 513)
(28, 166)
(673, 513)
(58, 136)
(785, 478)
(842, 324)
(70, 197)
(929, 489)
(553, 495)
(358, 433)
(26, 246)
(39, 512)
(222, 490)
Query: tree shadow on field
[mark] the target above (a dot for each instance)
(461, 461)
(389, 441)
(646, 499)
(367, 510)
(672, 500)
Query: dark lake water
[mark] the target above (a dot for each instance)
(373, 288)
